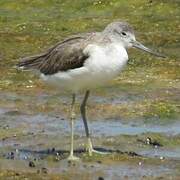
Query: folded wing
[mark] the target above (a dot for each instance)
(64, 56)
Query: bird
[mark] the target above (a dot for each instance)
(83, 62)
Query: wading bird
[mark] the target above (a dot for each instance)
(83, 62)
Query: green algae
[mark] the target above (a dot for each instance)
(11, 174)
(33, 26)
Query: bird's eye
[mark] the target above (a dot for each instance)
(123, 33)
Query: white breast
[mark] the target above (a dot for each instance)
(107, 60)
(104, 64)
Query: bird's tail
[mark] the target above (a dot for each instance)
(32, 62)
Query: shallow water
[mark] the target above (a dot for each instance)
(142, 102)
(39, 128)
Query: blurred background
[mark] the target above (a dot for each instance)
(142, 102)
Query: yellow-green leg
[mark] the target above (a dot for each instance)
(83, 114)
(72, 118)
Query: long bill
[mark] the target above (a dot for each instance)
(138, 45)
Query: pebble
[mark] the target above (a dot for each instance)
(31, 164)
(53, 150)
(100, 178)
(10, 155)
(161, 158)
(44, 170)
(25, 157)
(17, 174)
(57, 158)
(15, 144)
(149, 141)
(17, 151)
(99, 162)
(3, 139)
(6, 127)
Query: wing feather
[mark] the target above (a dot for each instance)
(64, 56)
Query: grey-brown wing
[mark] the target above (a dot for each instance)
(63, 56)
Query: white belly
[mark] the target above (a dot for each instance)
(104, 64)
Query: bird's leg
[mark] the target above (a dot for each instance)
(72, 118)
(83, 114)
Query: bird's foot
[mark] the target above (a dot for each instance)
(98, 152)
(91, 150)
(71, 157)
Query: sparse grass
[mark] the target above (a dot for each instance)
(34, 25)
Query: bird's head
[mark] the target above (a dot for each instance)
(122, 32)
